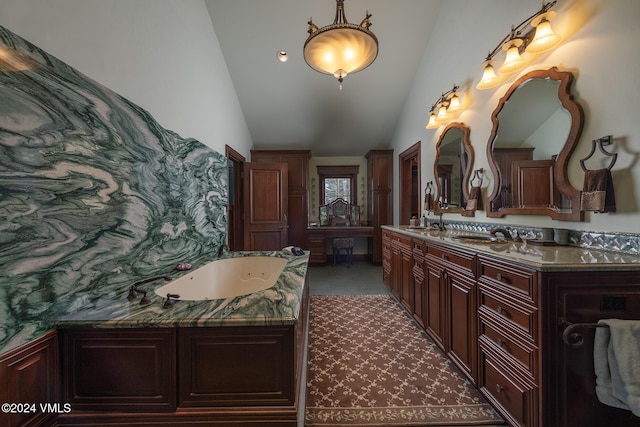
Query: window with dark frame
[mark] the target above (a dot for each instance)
(338, 182)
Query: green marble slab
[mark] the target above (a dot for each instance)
(94, 194)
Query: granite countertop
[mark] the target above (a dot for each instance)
(541, 258)
(108, 306)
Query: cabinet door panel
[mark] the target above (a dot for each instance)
(435, 308)
(122, 370)
(463, 337)
(30, 375)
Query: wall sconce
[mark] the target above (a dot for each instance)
(538, 39)
(445, 108)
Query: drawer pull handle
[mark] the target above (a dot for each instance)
(501, 310)
(502, 278)
(501, 343)
(499, 388)
(445, 257)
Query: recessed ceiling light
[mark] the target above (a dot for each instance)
(282, 56)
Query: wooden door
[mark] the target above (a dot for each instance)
(266, 207)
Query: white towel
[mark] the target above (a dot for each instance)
(616, 357)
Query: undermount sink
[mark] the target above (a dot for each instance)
(479, 239)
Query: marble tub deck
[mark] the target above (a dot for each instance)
(107, 306)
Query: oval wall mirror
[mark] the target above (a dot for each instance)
(536, 127)
(452, 167)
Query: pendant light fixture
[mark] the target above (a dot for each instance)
(341, 48)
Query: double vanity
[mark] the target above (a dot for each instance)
(498, 309)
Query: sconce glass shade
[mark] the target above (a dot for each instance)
(489, 78)
(512, 61)
(341, 48)
(433, 123)
(545, 38)
(442, 113)
(454, 104)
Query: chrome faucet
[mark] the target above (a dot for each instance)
(440, 224)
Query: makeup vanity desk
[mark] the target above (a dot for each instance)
(317, 239)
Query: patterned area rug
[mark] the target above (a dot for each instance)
(369, 364)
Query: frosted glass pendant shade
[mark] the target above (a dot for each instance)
(347, 49)
(341, 48)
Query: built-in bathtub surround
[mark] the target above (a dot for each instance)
(276, 305)
(95, 194)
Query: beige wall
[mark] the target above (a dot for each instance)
(599, 46)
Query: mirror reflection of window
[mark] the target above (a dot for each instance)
(335, 188)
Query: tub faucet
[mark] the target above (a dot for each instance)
(169, 301)
(134, 290)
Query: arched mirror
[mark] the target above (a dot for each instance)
(536, 127)
(452, 167)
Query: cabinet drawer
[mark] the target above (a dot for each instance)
(513, 396)
(459, 260)
(520, 316)
(523, 354)
(419, 248)
(517, 279)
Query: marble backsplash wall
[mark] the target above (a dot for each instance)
(92, 189)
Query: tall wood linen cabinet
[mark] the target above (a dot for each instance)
(379, 197)
(298, 192)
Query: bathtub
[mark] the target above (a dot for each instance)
(226, 278)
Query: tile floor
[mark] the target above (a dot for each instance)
(361, 278)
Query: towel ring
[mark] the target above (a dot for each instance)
(429, 188)
(477, 174)
(600, 143)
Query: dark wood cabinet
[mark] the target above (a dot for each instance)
(379, 197)
(451, 289)
(29, 375)
(236, 366)
(501, 322)
(435, 277)
(583, 298)
(298, 188)
(124, 370)
(402, 270)
(509, 340)
(419, 281)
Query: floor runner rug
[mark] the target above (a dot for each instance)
(369, 364)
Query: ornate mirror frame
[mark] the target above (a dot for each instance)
(466, 140)
(560, 175)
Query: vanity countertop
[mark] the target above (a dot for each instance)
(541, 258)
(107, 306)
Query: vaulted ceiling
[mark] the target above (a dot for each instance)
(289, 105)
